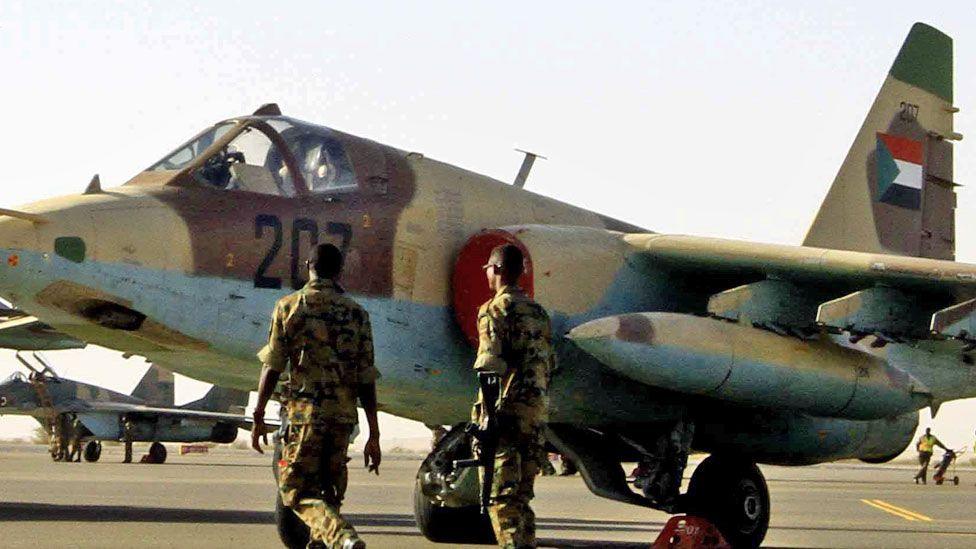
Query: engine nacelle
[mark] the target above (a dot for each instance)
(570, 270)
(797, 439)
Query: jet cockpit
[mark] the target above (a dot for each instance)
(265, 154)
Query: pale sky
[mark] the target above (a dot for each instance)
(706, 118)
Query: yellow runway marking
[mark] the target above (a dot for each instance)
(900, 512)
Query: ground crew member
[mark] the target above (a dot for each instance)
(566, 467)
(514, 341)
(926, 443)
(74, 447)
(128, 428)
(325, 340)
(52, 442)
(64, 436)
(546, 467)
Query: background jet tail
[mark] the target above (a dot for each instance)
(894, 192)
(155, 387)
(220, 399)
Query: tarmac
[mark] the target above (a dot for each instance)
(226, 499)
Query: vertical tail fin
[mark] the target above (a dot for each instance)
(220, 399)
(156, 387)
(894, 192)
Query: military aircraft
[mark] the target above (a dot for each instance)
(45, 395)
(771, 353)
(19, 330)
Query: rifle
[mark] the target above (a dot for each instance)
(486, 435)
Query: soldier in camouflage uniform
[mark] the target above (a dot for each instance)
(128, 427)
(514, 341)
(74, 445)
(324, 340)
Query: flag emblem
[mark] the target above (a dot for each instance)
(900, 176)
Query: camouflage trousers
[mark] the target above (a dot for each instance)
(517, 462)
(312, 479)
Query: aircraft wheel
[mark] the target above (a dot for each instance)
(157, 453)
(450, 524)
(93, 451)
(732, 494)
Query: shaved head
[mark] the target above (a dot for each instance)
(326, 261)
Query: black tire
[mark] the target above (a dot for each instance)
(93, 451)
(955, 480)
(732, 494)
(157, 453)
(292, 531)
(450, 524)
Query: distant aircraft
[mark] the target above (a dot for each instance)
(21, 331)
(44, 395)
(769, 353)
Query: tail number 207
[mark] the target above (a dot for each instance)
(309, 227)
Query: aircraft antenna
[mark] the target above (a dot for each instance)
(95, 186)
(527, 163)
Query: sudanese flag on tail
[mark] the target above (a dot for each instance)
(900, 174)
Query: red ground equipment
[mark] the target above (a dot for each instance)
(688, 532)
(948, 460)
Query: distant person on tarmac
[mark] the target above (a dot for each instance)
(127, 430)
(64, 436)
(926, 443)
(74, 446)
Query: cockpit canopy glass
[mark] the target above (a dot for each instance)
(15, 377)
(188, 152)
(253, 161)
(250, 162)
(321, 157)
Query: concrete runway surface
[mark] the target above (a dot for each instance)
(226, 499)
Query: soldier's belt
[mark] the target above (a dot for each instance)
(317, 397)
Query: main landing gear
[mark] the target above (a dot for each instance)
(732, 494)
(726, 490)
(157, 453)
(92, 451)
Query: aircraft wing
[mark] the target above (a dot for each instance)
(800, 288)
(746, 326)
(22, 332)
(126, 408)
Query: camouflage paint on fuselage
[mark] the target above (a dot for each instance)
(188, 257)
(205, 266)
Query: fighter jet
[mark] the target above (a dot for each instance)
(754, 353)
(20, 331)
(45, 395)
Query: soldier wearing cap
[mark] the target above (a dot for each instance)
(324, 340)
(514, 342)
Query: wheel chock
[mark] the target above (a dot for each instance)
(688, 532)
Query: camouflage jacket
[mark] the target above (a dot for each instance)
(515, 341)
(326, 342)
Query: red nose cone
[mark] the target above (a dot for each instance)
(470, 287)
